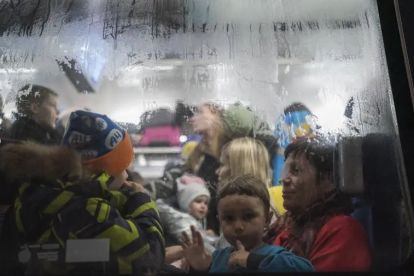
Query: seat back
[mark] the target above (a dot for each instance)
(377, 193)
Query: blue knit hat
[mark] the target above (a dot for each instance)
(103, 144)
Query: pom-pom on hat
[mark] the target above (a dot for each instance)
(241, 121)
(103, 144)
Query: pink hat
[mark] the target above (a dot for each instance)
(191, 179)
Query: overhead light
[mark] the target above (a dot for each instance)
(185, 62)
(133, 68)
(171, 64)
(183, 138)
(124, 82)
(17, 71)
(163, 68)
(154, 68)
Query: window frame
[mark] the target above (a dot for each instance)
(397, 31)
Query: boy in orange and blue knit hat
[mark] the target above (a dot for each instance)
(103, 145)
(78, 191)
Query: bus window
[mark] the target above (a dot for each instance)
(126, 59)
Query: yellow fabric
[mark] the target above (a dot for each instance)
(131, 236)
(188, 149)
(276, 195)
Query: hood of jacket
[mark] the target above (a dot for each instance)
(27, 161)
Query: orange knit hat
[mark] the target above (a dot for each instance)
(103, 144)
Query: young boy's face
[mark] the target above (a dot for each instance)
(46, 112)
(243, 218)
(199, 207)
(118, 181)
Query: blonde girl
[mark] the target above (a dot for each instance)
(218, 126)
(247, 156)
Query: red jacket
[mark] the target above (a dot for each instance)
(341, 245)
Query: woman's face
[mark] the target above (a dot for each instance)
(223, 171)
(301, 187)
(205, 122)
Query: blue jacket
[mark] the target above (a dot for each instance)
(268, 258)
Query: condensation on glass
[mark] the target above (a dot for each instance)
(141, 55)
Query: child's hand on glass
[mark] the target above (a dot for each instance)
(238, 257)
(194, 251)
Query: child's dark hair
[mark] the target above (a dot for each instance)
(249, 185)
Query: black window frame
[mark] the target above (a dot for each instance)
(397, 26)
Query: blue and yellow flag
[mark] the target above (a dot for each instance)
(289, 127)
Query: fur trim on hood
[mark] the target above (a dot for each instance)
(26, 161)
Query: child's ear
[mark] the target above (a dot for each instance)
(269, 217)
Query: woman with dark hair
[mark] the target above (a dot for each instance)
(317, 224)
(295, 122)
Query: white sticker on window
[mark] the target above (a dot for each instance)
(87, 250)
(24, 255)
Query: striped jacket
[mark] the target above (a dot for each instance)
(50, 211)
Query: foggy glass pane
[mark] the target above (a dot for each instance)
(133, 56)
(142, 54)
